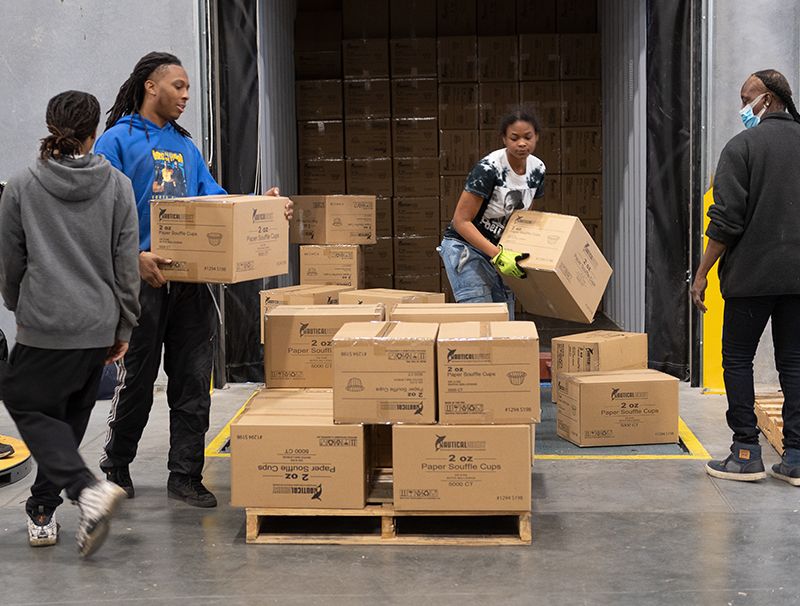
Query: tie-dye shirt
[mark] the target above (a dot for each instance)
(503, 191)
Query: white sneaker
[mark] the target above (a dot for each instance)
(42, 528)
(98, 504)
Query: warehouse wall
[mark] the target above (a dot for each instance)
(48, 47)
(747, 36)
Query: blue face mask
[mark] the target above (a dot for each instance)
(750, 119)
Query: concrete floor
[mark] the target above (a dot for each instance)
(605, 532)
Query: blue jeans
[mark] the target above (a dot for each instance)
(744, 321)
(472, 276)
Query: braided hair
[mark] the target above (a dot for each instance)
(71, 117)
(131, 94)
(777, 84)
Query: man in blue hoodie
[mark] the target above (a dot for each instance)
(145, 142)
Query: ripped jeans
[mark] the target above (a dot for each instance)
(472, 276)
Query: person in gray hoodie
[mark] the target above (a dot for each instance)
(69, 271)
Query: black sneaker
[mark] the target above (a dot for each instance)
(42, 527)
(189, 490)
(6, 450)
(788, 469)
(122, 478)
(744, 464)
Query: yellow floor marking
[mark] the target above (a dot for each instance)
(213, 449)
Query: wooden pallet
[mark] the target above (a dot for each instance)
(768, 411)
(354, 527)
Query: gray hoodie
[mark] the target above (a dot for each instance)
(69, 242)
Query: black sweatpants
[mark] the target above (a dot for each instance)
(50, 394)
(181, 317)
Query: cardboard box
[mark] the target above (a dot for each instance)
(458, 106)
(428, 282)
(365, 19)
(320, 140)
(220, 239)
(370, 138)
(456, 17)
(552, 201)
(298, 295)
(416, 255)
(369, 176)
(383, 217)
(566, 272)
(367, 99)
(462, 468)
(583, 196)
(580, 57)
(536, 16)
(545, 98)
(581, 150)
(496, 98)
(457, 58)
(379, 259)
(322, 177)
(548, 150)
(489, 140)
(416, 217)
(385, 372)
(595, 229)
(448, 312)
(383, 445)
(498, 58)
(576, 16)
(488, 373)
(597, 351)
(412, 19)
(539, 57)
(450, 189)
(333, 220)
(318, 31)
(318, 99)
(617, 408)
(297, 341)
(415, 98)
(416, 177)
(458, 151)
(496, 18)
(380, 280)
(337, 264)
(581, 103)
(390, 297)
(298, 460)
(413, 57)
(317, 65)
(415, 138)
(365, 59)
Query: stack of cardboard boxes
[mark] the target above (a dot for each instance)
(401, 99)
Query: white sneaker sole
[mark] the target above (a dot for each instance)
(739, 477)
(780, 476)
(96, 538)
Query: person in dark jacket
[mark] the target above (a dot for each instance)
(755, 234)
(69, 272)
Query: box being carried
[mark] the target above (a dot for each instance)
(333, 220)
(220, 239)
(616, 408)
(566, 272)
(385, 372)
(462, 467)
(389, 297)
(488, 373)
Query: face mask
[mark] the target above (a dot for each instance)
(749, 119)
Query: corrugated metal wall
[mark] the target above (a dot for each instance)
(623, 33)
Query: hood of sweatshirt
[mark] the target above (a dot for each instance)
(73, 179)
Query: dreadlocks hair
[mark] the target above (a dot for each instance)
(71, 117)
(777, 84)
(131, 93)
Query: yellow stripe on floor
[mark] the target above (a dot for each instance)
(213, 449)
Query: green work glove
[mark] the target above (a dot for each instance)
(506, 262)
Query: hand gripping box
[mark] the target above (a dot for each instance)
(448, 312)
(298, 342)
(462, 467)
(333, 220)
(598, 350)
(287, 454)
(389, 297)
(385, 372)
(566, 272)
(301, 294)
(488, 373)
(617, 408)
(219, 239)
